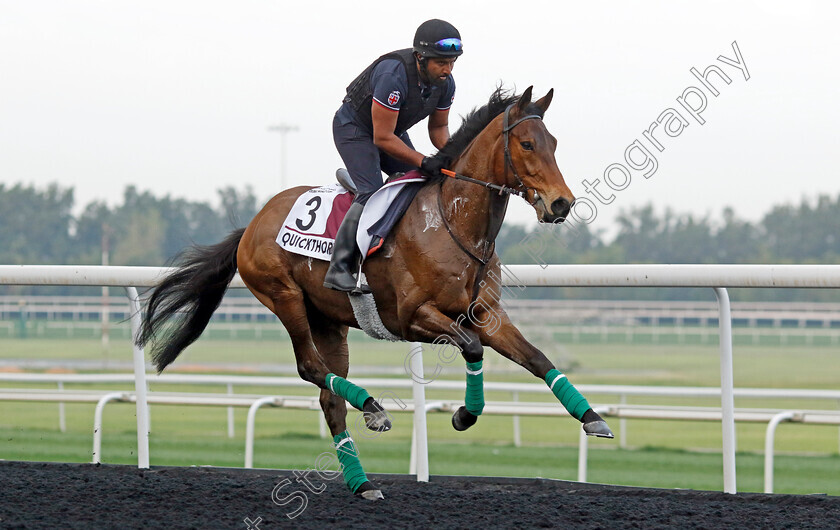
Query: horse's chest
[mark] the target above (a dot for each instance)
(454, 285)
(432, 219)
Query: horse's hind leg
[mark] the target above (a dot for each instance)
(331, 342)
(290, 308)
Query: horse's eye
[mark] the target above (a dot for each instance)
(528, 146)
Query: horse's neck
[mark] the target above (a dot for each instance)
(473, 213)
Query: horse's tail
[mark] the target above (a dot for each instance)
(195, 288)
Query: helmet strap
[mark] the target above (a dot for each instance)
(421, 62)
(424, 71)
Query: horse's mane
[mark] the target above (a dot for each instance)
(479, 118)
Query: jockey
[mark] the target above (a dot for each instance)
(397, 91)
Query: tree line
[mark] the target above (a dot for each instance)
(788, 234)
(39, 226)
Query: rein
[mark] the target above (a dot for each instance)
(503, 190)
(521, 190)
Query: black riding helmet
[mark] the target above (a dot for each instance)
(437, 38)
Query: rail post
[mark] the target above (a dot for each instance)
(583, 448)
(769, 442)
(62, 418)
(727, 392)
(139, 381)
(97, 423)
(420, 456)
(517, 430)
(231, 432)
(250, 426)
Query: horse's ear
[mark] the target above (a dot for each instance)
(525, 98)
(545, 101)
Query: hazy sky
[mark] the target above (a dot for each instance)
(176, 96)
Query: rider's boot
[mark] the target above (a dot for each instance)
(346, 255)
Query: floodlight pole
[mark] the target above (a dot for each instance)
(283, 129)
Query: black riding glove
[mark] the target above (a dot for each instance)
(432, 165)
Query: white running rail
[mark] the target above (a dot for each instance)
(717, 277)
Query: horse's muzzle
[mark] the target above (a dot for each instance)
(560, 209)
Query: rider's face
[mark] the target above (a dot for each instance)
(439, 69)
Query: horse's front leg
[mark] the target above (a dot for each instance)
(495, 330)
(428, 324)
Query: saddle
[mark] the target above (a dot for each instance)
(396, 209)
(343, 178)
(312, 223)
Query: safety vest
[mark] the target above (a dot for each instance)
(414, 109)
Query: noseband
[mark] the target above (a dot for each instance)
(506, 128)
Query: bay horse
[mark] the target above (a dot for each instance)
(437, 267)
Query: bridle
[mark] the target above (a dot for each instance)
(521, 189)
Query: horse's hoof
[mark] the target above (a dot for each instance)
(368, 492)
(372, 495)
(463, 419)
(598, 428)
(376, 419)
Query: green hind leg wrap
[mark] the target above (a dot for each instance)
(568, 395)
(348, 457)
(355, 395)
(474, 399)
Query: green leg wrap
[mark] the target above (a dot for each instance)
(568, 395)
(348, 456)
(355, 395)
(474, 399)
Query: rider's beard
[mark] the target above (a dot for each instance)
(440, 81)
(436, 81)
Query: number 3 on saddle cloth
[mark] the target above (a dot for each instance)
(310, 227)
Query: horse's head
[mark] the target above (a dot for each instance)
(529, 163)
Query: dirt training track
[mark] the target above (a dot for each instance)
(50, 495)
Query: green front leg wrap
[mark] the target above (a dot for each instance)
(474, 400)
(355, 395)
(348, 457)
(568, 395)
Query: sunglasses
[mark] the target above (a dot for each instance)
(447, 45)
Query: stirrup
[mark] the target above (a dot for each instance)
(361, 287)
(356, 290)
